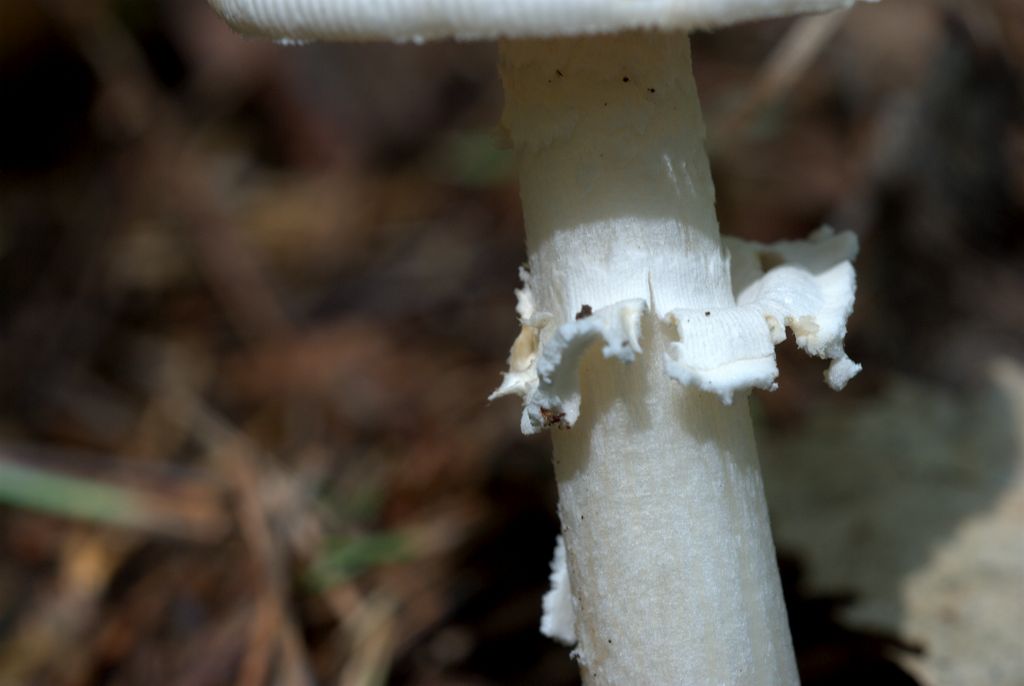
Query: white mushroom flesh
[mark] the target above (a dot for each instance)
(419, 20)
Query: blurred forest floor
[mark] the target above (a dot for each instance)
(253, 298)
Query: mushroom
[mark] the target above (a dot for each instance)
(665, 572)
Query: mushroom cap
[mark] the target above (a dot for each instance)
(420, 20)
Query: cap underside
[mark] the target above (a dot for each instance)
(420, 20)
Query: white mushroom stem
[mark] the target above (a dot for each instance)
(671, 563)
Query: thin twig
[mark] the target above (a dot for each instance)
(236, 457)
(788, 62)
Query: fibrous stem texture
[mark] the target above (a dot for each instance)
(642, 333)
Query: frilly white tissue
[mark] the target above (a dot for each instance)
(559, 619)
(806, 286)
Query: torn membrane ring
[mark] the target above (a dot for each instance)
(543, 364)
(806, 286)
